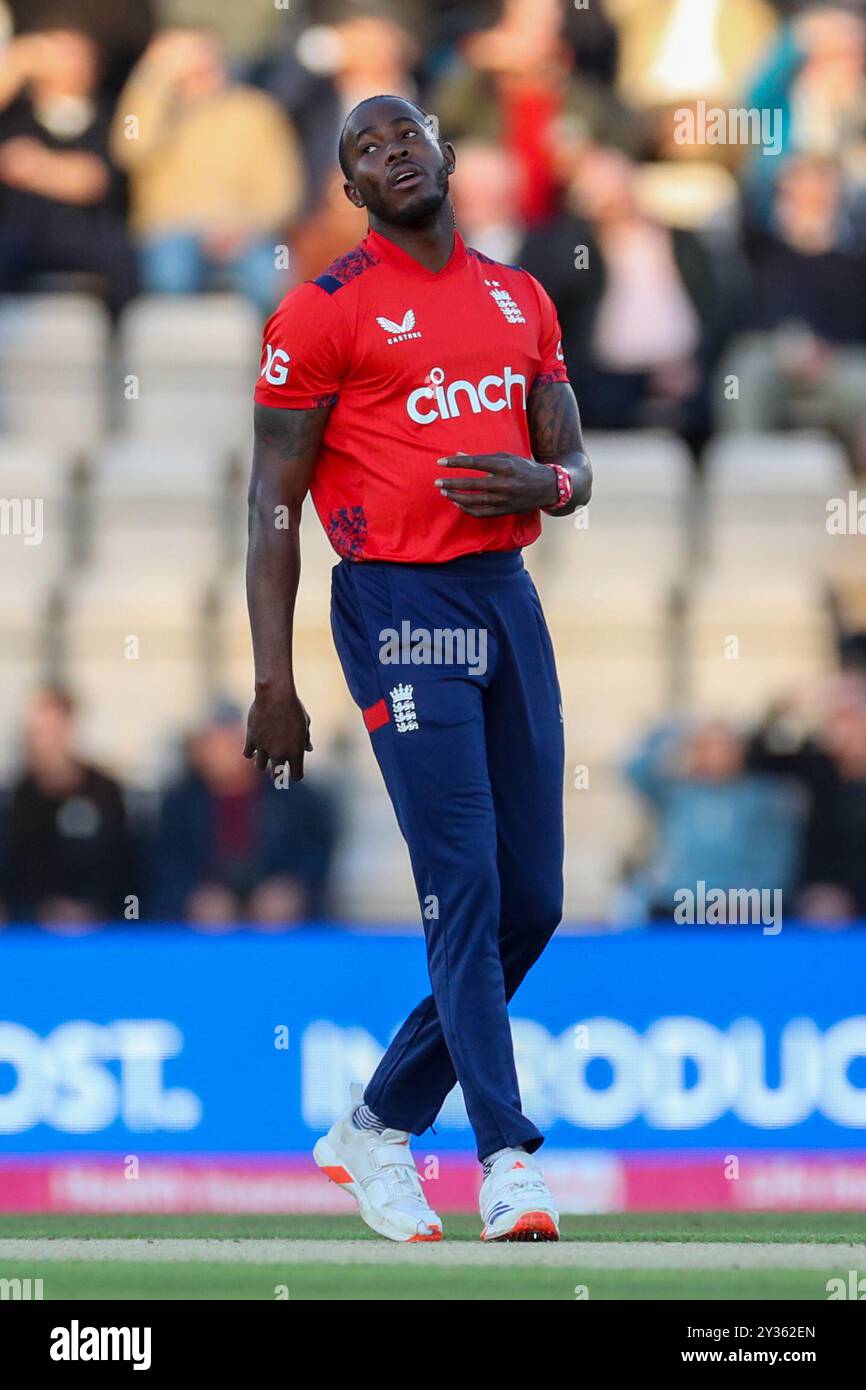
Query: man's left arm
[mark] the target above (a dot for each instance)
(556, 437)
(515, 484)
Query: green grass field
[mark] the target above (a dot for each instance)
(325, 1258)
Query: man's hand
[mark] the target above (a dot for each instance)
(513, 484)
(278, 732)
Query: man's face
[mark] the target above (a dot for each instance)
(400, 168)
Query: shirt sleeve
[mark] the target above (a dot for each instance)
(552, 360)
(304, 351)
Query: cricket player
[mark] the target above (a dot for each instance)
(417, 390)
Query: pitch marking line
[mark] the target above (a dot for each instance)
(564, 1255)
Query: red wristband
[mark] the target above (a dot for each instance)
(565, 489)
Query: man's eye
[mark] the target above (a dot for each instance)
(407, 133)
(366, 148)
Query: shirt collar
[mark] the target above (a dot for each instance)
(394, 255)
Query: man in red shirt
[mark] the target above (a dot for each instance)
(417, 390)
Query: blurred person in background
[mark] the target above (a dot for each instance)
(245, 29)
(817, 739)
(644, 307)
(367, 50)
(330, 229)
(72, 860)
(510, 83)
(121, 28)
(815, 76)
(215, 171)
(802, 358)
(232, 847)
(716, 820)
(486, 193)
(62, 201)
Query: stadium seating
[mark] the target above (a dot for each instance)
(668, 595)
(53, 358)
(189, 366)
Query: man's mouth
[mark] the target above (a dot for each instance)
(406, 176)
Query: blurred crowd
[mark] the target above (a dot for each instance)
(174, 146)
(222, 845)
(703, 283)
(780, 808)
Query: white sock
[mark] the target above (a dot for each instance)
(365, 1118)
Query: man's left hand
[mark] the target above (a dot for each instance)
(512, 484)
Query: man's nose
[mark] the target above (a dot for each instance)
(396, 150)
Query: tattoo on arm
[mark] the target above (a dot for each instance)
(554, 421)
(555, 434)
(287, 444)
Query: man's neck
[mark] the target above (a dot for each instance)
(430, 245)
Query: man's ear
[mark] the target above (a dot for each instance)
(450, 156)
(353, 195)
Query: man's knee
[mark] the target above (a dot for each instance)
(533, 914)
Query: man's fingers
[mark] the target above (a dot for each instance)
(478, 499)
(296, 767)
(471, 484)
(485, 463)
(249, 747)
(261, 759)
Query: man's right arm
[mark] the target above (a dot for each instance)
(287, 443)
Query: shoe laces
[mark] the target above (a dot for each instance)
(521, 1181)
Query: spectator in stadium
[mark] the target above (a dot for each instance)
(62, 201)
(716, 821)
(802, 358)
(332, 226)
(486, 194)
(233, 846)
(245, 28)
(644, 308)
(215, 170)
(311, 101)
(817, 739)
(510, 83)
(71, 858)
(363, 52)
(815, 76)
(121, 28)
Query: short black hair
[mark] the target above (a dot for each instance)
(380, 96)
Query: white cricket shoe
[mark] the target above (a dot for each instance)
(379, 1172)
(515, 1200)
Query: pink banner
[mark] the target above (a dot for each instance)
(581, 1183)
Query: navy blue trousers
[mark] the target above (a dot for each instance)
(472, 755)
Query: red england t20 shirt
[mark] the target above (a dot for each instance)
(416, 364)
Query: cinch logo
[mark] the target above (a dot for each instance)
(448, 406)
